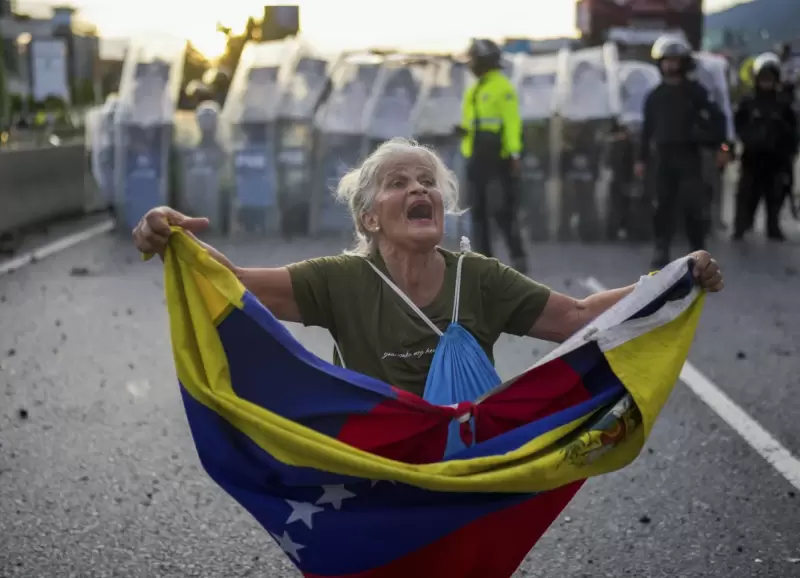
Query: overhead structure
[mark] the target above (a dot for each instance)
(635, 24)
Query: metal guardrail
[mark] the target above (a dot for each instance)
(41, 184)
(36, 138)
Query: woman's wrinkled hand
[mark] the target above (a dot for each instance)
(706, 272)
(152, 233)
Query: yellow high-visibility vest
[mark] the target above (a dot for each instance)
(496, 109)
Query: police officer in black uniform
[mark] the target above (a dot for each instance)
(767, 127)
(679, 119)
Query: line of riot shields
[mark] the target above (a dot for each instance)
(294, 121)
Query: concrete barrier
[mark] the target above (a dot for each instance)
(38, 185)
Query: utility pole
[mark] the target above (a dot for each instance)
(4, 101)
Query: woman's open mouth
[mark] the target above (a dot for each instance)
(421, 211)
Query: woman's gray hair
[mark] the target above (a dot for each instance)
(359, 187)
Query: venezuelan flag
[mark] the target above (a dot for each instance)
(348, 474)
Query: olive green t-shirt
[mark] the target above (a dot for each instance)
(381, 336)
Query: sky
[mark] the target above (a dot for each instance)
(338, 24)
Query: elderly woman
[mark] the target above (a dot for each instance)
(387, 302)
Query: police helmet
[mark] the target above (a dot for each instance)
(485, 51)
(207, 114)
(767, 62)
(670, 46)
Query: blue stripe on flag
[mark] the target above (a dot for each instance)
(518, 437)
(269, 368)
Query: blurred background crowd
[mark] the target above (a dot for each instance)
(251, 120)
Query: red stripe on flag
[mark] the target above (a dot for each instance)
(538, 393)
(406, 429)
(410, 430)
(490, 547)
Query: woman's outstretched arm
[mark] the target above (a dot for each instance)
(563, 316)
(271, 286)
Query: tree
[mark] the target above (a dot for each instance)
(195, 66)
(235, 45)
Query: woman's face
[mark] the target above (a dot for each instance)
(408, 210)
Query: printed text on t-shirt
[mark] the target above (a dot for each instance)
(409, 354)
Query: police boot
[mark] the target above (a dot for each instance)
(774, 232)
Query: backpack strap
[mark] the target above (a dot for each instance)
(406, 298)
(339, 353)
(457, 296)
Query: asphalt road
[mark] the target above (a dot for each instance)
(99, 476)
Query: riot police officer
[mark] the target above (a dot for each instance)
(767, 127)
(491, 130)
(679, 120)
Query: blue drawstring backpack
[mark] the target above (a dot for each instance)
(460, 372)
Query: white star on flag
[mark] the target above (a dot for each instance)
(334, 495)
(286, 544)
(302, 511)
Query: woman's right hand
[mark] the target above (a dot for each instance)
(152, 233)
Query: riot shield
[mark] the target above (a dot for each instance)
(248, 124)
(587, 102)
(712, 71)
(305, 85)
(149, 91)
(535, 78)
(629, 204)
(588, 84)
(438, 110)
(203, 163)
(433, 121)
(102, 151)
(392, 101)
(340, 125)
(92, 189)
(636, 80)
(255, 90)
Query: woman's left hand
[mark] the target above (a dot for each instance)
(706, 272)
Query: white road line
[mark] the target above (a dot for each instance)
(751, 431)
(55, 247)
